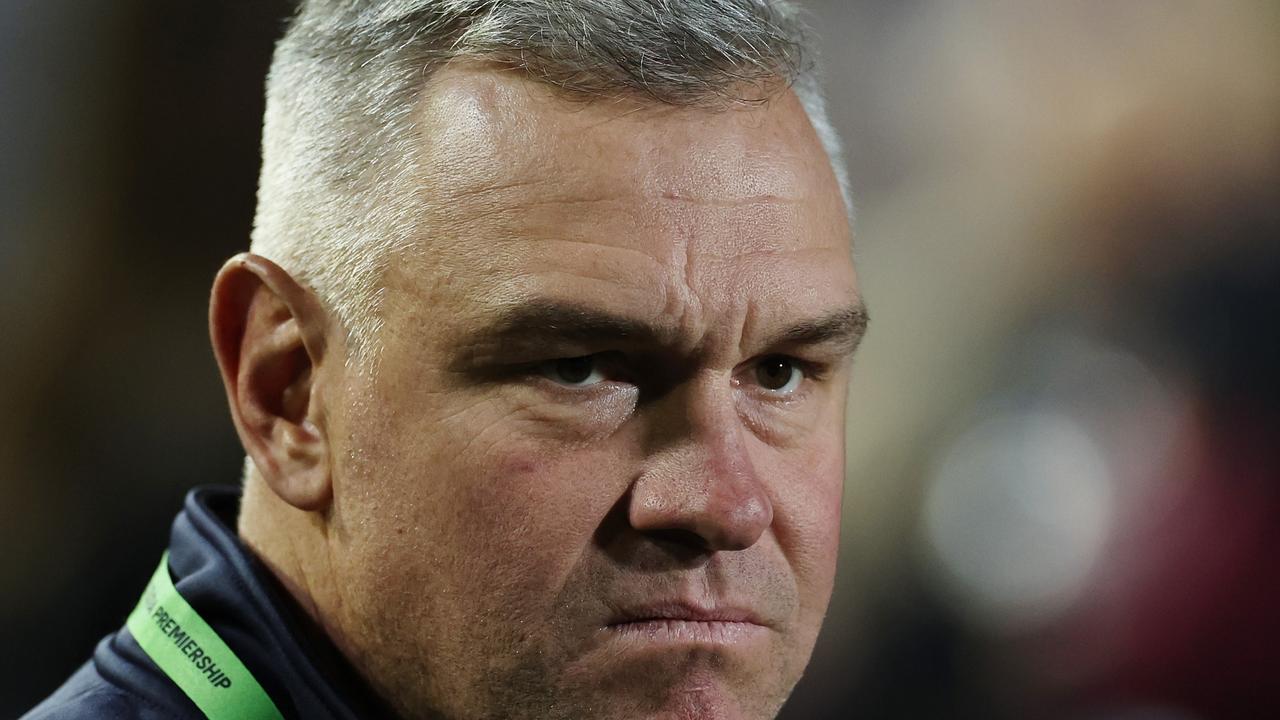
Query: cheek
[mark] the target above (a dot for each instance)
(521, 516)
(477, 478)
(488, 529)
(807, 510)
(544, 498)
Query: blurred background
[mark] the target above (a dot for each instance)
(1063, 494)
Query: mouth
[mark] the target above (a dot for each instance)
(681, 623)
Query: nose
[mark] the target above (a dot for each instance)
(702, 489)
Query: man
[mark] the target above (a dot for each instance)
(539, 360)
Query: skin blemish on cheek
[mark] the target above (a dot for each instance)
(521, 464)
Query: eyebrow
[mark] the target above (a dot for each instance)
(539, 322)
(843, 328)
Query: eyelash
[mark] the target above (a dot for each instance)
(816, 371)
(812, 372)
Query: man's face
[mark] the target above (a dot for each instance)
(597, 470)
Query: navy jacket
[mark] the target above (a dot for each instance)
(297, 666)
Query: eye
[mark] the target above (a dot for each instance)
(779, 374)
(573, 372)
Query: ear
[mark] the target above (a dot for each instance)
(269, 336)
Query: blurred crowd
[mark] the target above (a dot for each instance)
(1064, 474)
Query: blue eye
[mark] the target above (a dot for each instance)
(573, 372)
(779, 374)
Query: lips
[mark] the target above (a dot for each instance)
(684, 612)
(682, 622)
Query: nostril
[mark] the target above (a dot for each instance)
(681, 539)
(732, 541)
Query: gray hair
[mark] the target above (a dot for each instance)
(336, 196)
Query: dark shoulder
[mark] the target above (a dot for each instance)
(87, 695)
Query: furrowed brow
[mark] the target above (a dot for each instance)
(537, 324)
(843, 330)
(540, 322)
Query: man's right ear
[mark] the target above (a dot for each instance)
(269, 334)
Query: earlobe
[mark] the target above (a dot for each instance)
(269, 334)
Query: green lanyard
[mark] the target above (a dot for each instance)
(174, 635)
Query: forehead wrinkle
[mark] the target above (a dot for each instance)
(773, 252)
(457, 193)
(732, 202)
(664, 196)
(551, 186)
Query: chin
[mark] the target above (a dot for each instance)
(683, 683)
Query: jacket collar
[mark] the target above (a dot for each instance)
(239, 597)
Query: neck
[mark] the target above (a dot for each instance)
(291, 543)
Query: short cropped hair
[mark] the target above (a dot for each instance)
(336, 196)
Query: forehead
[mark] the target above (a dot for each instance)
(622, 204)
(483, 125)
